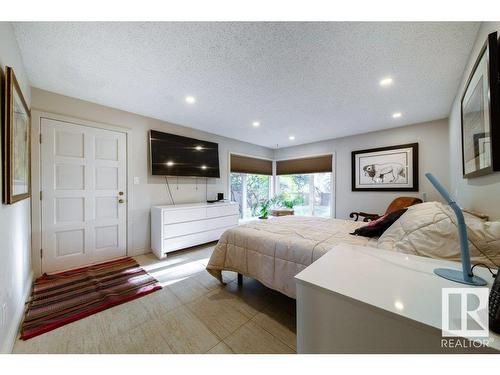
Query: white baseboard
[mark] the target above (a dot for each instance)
(13, 330)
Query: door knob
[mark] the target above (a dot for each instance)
(121, 201)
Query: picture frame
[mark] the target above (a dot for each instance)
(393, 168)
(480, 114)
(16, 141)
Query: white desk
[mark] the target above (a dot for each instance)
(366, 300)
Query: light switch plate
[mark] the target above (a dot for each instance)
(137, 181)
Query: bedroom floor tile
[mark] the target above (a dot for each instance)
(47, 343)
(185, 333)
(219, 313)
(234, 301)
(252, 339)
(284, 303)
(191, 314)
(220, 348)
(123, 318)
(188, 289)
(177, 272)
(160, 302)
(83, 336)
(210, 282)
(199, 253)
(280, 324)
(146, 338)
(252, 293)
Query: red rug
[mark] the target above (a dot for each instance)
(62, 298)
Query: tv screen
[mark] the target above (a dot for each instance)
(174, 155)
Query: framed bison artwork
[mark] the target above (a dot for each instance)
(393, 168)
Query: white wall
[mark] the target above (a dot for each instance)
(481, 194)
(439, 152)
(151, 189)
(432, 138)
(433, 154)
(15, 230)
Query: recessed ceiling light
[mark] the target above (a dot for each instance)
(396, 115)
(190, 99)
(384, 82)
(292, 137)
(255, 124)
(198, 148)
(203, 167)
(170, 163)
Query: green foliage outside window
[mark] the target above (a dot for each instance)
(257, 191)
(295, 193)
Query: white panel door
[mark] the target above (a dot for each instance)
(84, 209)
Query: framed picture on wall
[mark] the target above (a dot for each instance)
(16, 141)
(480, 114)
(393, 168)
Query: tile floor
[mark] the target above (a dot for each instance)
(193, 313)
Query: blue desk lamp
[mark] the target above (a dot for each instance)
(464, 277)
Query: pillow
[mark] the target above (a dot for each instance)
(376, 227)
(430, 229)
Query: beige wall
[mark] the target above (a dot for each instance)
(15, 234)
(483, 193)
(432, 138)
(151, 189)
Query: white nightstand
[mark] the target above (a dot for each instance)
(365, 300)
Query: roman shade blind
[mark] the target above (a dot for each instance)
(246, 164)
(317, 164)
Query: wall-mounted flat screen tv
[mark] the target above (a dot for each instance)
(174, 155)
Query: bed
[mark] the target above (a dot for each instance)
(273, 251)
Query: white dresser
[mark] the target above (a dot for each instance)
(185, 225)
(366, 300)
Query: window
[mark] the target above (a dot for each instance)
(250, 183)
(310, 192)
(249, 190)
(307, 182)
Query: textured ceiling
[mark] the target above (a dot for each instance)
(313, 80)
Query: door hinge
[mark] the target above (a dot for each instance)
(41, 253)
(40, 195)
(40, 138)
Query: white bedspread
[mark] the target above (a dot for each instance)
(273, 251)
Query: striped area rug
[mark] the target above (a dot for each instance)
(62, 298)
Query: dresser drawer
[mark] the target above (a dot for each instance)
(222, 210)
(188, 214)
(182, 242)
(182, 229)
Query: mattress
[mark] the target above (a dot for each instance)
(273, 251)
